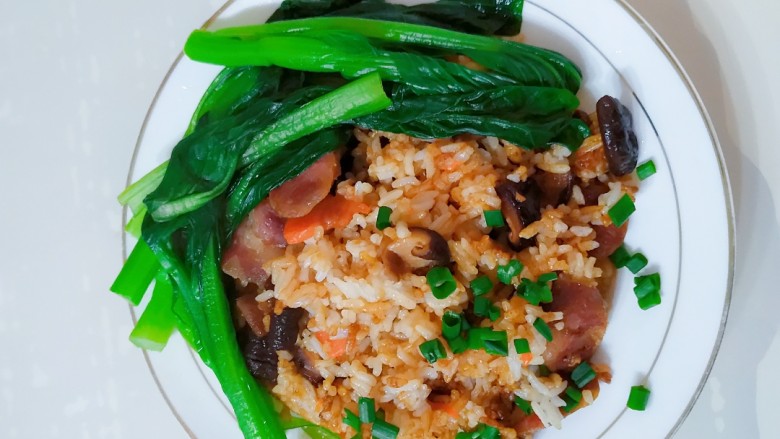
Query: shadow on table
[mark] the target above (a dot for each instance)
(729, 398)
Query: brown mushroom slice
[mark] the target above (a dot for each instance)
(305, 363)
(421, 250)
(520, 205)
(556, 188)
(617, 132)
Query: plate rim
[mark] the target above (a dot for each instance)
(694, 94)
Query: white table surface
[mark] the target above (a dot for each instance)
(76, 78)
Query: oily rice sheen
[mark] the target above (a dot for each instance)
(366, 322)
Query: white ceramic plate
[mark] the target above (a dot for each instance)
(684, 222)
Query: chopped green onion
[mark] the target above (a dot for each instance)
(383, 217)
(644, 285)
(352, 420)
(535, 292)
(384, 430)
(645, 170)
(620, 212)
(450, 325)
(497, 344)
(441, 281)
(543, 329)
(522, 346)
(458, 345)
(433, 350)
(637, 399)
(542, 371)
(583, 374)
(506, 273)
(476, 337)
(547, 277)
(650, 300)
(619, 257)
(572, 397)
(494, 218)
(636, 262)
(481, 306)
(380, 414)
(366, 410)
(485, 431)
(524, 405)
(481, 285)
(463, 435)
(494, 313)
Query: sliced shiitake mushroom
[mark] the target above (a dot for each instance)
(421, 250)
(556, 188)
(520, 205)
(617, 132)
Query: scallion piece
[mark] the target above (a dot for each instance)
(582, 374)
(494, 313)
(383, 217)
(481, 306)
(522, 346)
(441, 281)
(524, 405)
(572, 397)
(450, 325)
(542, 371)
(383, 430)
(366, 409)
(619, 257)
(458, 345)
(476, 337)
(650, 300)
(637, 399)
(636, 263)
(496, 343)
(433, 350)
(543, 329)
(494, 218)
(352, 420)
(481, 285)
(485, 431)
(547, 277)
(620, 212)
(645, 170)
(463, 435)
(506, 273)
(644, 285)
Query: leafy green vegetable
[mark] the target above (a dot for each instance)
(137, 274)
(526, 64)
(526, 116)
(486, 17)
(346, 53)
(156, 324)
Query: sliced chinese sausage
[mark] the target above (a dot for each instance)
(617, 133)
(609, 238)
(297, 197)
(259, 238)
(556, 188)
(584, 319)
(520, 205)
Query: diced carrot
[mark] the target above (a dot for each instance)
(334, 348)
(331, 213)
(337, 347)
(450, 407)
(526, 358)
